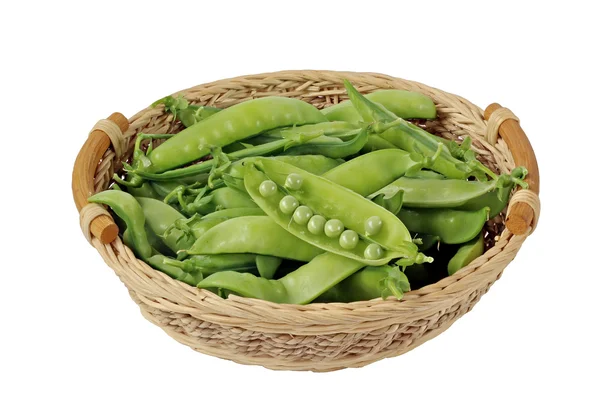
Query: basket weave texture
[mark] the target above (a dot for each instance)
(317, 337)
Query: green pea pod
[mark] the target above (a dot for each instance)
(267, 265)
(211, 263)
(424, 174)
(224, 198)
(439, 193)
(130, 211)
(498, 199)
(368, 283)
(328, 128)
(466, 253)
(298, 287)
(315, 164)
(347, 209)
(161, 218)
(376, 142)
(199, 170)
(411, 138)
(339, 149)
(403, 104)
(146, 190)
(253, 234)
(452, 226)
(160, 263)
(233, 124)
(372, 171)
(155, 242)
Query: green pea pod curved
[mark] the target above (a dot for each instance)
(298, 287)
(372, 171)
(235, 123)
(402, 103)
(466, 253)
(253, 234)
(333, 202)
(130, 211)
(368, 283)
(452, 226)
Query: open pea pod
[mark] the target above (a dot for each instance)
(328, 215)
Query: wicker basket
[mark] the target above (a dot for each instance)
(317, 337)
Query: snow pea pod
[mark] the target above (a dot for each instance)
(376, 142)
(339, 149)
(253, 234)
(298, 287)
(224, 198)
(208, 264)
(198, 170)
(466, 253)
(334, 129)
(368, 283)
(161, 218)
(328, 215)
(411, 138)
(267, 265)
(233, 124)
(372, 171)
(452, 226)
(402, 103)
(161, 263)
(130, 211)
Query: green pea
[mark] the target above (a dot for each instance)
(373, 225)
(288, 204)
(302, 215)
(333, 228)
(294, 181)
(267, 188)
(373, 252)
(316, 224)
(348, 239)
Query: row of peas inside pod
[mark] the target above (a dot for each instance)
(275, 199)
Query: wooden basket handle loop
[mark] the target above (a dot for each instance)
(524, 207)
(94, 219)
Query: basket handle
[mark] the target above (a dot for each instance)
(525, 210)
(103, 226)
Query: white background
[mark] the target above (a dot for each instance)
(68, 328)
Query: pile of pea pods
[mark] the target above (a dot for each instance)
(277, 200)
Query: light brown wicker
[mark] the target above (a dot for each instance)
(317, 337)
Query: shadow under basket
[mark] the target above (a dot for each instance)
(316, 337)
